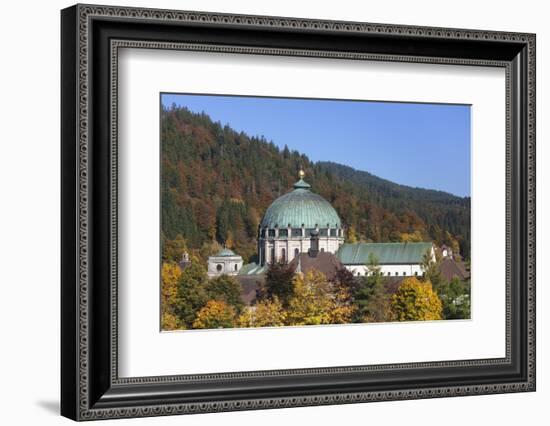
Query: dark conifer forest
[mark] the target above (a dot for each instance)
(216, 184)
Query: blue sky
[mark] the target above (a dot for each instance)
(422, 145)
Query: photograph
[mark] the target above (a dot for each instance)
(280, 212)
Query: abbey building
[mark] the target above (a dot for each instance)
(302, 223)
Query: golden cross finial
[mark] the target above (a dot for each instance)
(301, 173)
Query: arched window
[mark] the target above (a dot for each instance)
(219, 267)
(283, 255)
(273, 255)
(296, 252)
(323, 250)
(236, 267)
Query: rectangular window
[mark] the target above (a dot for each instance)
(283, 232)
(297, 232)
(323, 232)
(333, 232)
(271, 232)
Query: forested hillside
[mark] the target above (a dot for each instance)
(216, 184)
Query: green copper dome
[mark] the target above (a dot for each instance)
(300, 207)
(225, 252)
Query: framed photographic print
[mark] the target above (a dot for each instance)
(263, 212)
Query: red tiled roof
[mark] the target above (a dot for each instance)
(451, 268)
(324, 262)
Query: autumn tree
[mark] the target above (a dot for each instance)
(352, 235)
(344, 286)
(226, 289)
(170, 275)
(265, 313)
(192, 294)
(215, 314)
(411, 237)
(345, 281)
(170, 322)
(415, 301)
(311, 300)
(343, 309)
(278, 282)
(172, 250)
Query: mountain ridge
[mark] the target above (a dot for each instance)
(217, 183)
(334, 165)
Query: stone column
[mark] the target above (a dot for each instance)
(266, 251)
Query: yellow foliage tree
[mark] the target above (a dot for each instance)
(315, 301)
(352, 235)
(416, 301)
(312, 300)
(172, 250)
(343, 310)
(170, 322)
(229, 243)
(266, 313)
(170, 274)
(412, 237)
(215, 314)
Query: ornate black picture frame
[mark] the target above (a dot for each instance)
(91, 388)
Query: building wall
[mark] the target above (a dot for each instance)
(391, 270)
(278, 242)
(286, 247)
(229, 265)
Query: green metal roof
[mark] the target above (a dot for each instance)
(386, 253)
(252, 269)
(225, 252)
(302, 184)
(300, 207)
